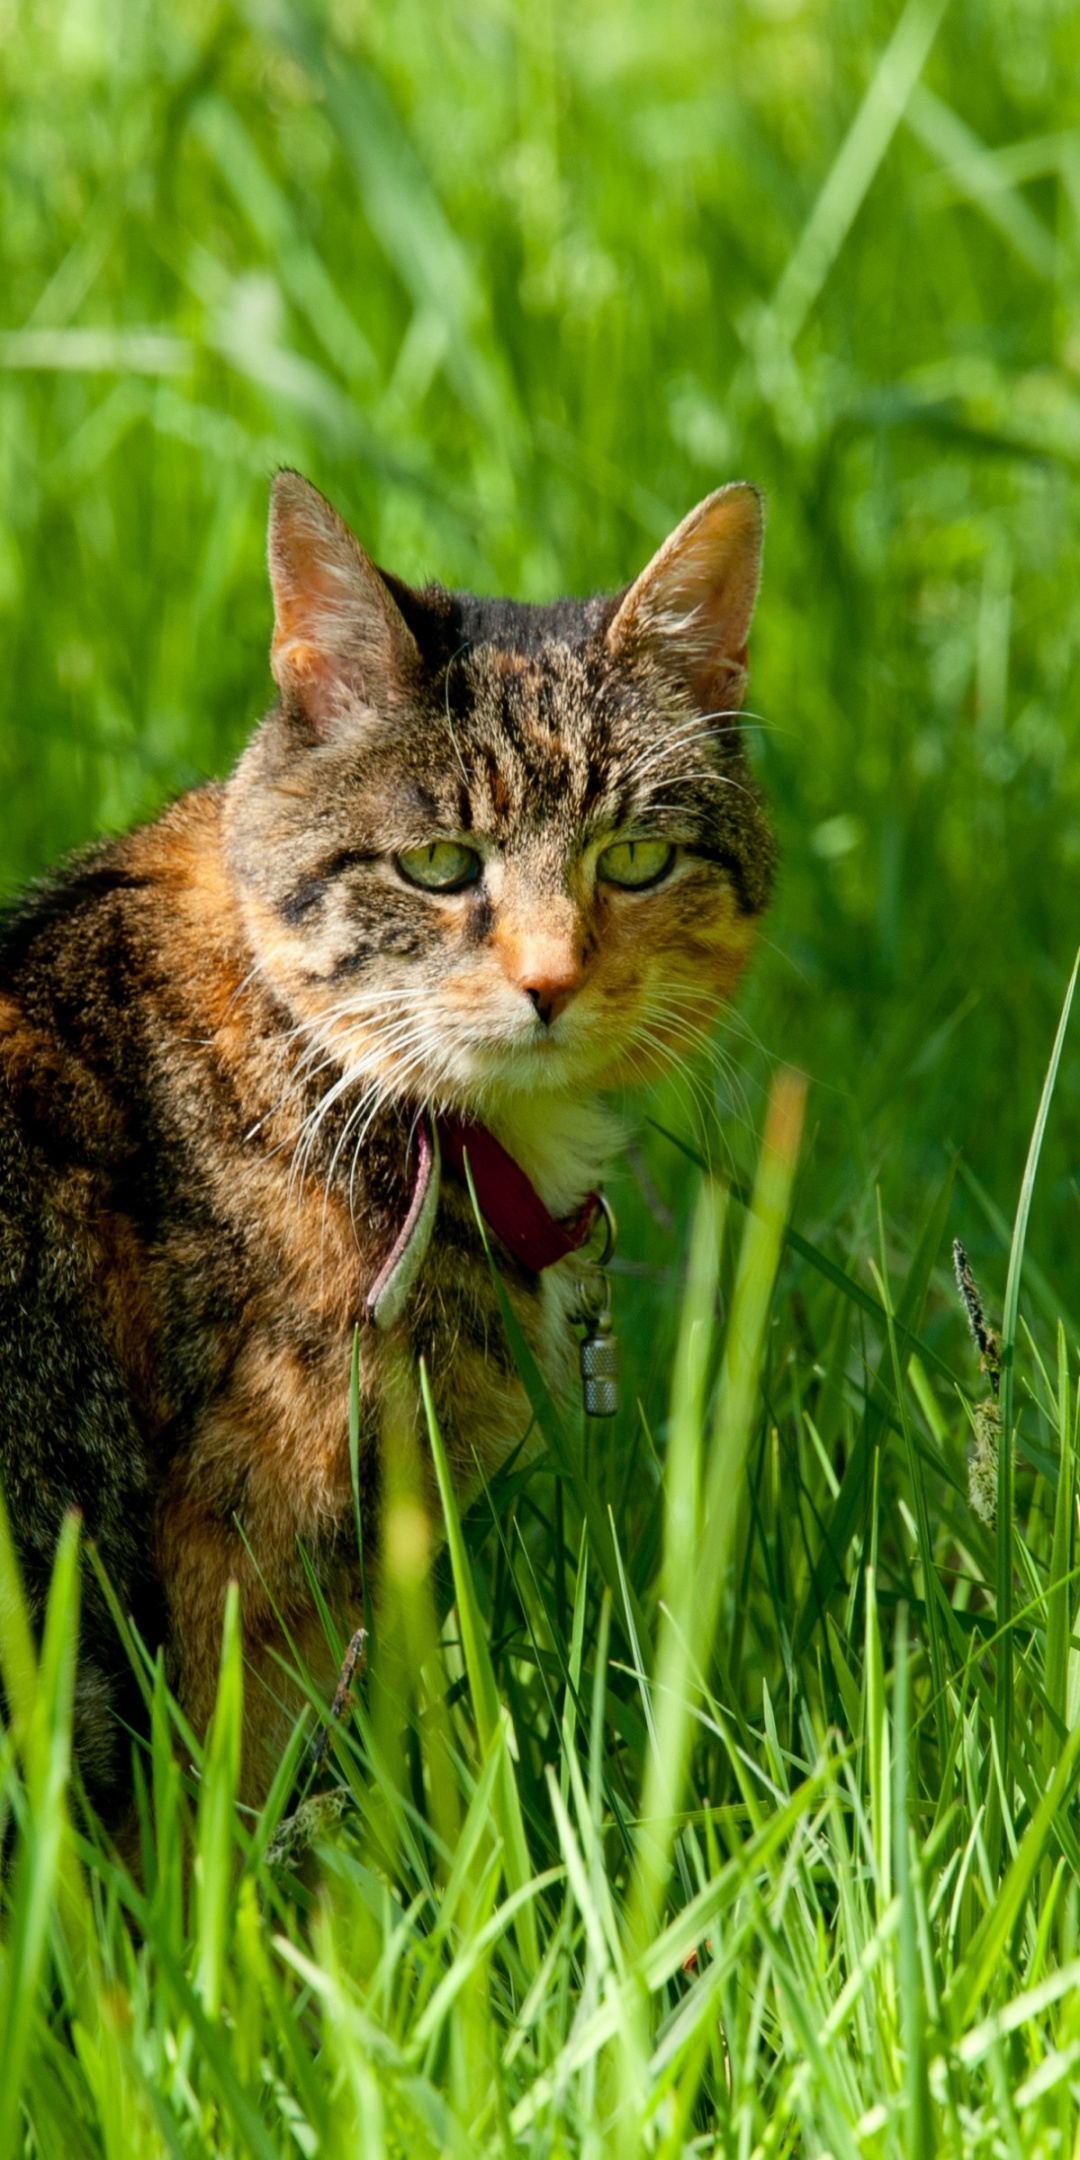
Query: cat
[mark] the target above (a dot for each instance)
(482, 862)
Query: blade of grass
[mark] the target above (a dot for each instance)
(919, 2139)
(485, 1699)
(1059, 1592)
(1005, 1525)
(217, 1808)
(705, 1488)
(554, 1432)
(46, 1743)
(853, 169)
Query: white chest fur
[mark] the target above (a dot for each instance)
(564, 1144)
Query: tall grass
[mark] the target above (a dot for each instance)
(728, 1857)
(517, 283)
(714, 1789)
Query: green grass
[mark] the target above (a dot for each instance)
(715, 1791)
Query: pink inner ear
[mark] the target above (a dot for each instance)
(307, 585)
(316, 570)
(298, 660)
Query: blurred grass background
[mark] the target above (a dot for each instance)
(516, 284)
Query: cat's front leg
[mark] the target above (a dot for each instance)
(264, 1482)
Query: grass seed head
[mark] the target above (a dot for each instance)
(989, 1347)
(983, 1467)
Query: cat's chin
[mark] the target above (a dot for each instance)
(544, 1069)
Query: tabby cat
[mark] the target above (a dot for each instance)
(481, 862)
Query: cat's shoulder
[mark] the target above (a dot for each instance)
(96, 883)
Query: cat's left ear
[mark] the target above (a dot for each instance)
(689, 611)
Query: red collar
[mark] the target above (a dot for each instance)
(507, 1199)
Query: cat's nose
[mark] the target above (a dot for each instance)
(551, 984)
(546, 965)
(548, 1000)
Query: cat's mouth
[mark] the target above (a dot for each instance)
(565, 1057)
(541, 1060)
(442, 1054)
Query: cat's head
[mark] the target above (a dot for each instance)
(484, 847)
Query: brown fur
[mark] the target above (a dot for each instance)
(215, 1034)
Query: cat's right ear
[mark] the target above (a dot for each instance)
(340, 641)
(689, 611)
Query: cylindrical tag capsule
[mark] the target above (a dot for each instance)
(600, 1370)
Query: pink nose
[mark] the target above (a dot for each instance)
(546, 965)
(550, 994)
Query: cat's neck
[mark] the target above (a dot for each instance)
(563, 1143)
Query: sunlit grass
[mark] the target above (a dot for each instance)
(700, 1867)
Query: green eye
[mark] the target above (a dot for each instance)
(443, 866)
(635, 863)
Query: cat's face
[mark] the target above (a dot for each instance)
(484, 848)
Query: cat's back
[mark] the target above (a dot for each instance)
(88, 954)
(147, 1214)
(96, 972)
(70, 1298)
